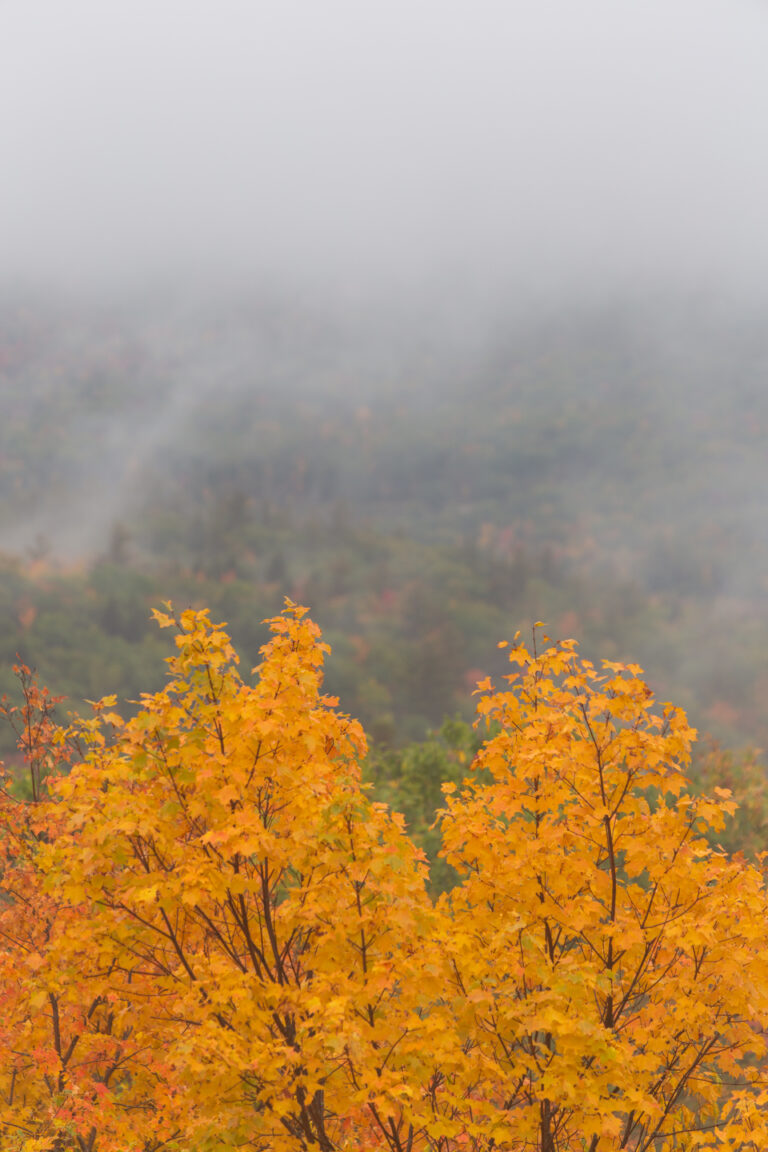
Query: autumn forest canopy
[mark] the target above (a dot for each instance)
(214, 937)
(352, 900)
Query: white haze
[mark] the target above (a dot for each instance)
(384, 151)
(201, 199)
(398, 180)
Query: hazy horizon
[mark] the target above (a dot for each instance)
(370, 155)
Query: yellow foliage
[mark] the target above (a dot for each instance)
(606, 967)
(211, 938)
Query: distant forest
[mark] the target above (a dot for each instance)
(602, 471)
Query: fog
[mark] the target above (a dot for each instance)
(361, 153)
(487, 280)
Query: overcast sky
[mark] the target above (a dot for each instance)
(358, 145)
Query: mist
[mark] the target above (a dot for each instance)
(366, 154)
(440, 303)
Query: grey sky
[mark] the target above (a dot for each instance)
(393, 145)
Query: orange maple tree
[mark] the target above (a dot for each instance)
(74, 1070)
(250, 911)
(211, 937)
(607, 966)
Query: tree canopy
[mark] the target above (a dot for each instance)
(212, 937)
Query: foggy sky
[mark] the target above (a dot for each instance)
(398, 147)
(542, 144)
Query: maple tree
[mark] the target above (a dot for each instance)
(608, 966)
(212, 937)
(249, 907)
(76, 1073)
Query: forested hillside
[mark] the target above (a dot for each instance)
(425, 493)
